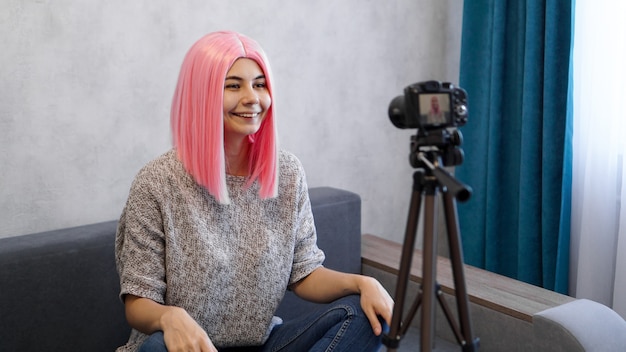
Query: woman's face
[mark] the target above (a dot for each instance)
(246, 98)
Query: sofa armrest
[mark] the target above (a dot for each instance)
(580, 325)
(337, 216)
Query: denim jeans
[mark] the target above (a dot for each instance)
(340, 326)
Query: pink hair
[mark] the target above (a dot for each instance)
(197, 119)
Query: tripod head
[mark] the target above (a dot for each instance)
(430, 150)
(438, 144)
(451, 185)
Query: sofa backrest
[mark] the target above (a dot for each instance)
(59, 291)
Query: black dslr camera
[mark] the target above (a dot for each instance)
(435, 109)
(429, 105)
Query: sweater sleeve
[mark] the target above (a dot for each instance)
(140, 244)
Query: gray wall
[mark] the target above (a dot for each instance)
(86, 89)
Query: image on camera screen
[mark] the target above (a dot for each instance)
(434, 109)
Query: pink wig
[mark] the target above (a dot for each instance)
(197, 115)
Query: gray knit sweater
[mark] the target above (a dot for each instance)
(228, 266)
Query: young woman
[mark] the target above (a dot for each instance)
(215, 230)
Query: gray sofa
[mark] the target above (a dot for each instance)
(59, 289)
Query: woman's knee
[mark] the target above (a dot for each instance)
(352, 305)
(356, 331)
(352, 302)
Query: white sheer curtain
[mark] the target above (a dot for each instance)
(598, 238)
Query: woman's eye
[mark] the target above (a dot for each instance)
(261, 85)
(231, 86)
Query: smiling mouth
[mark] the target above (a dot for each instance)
(247, 115)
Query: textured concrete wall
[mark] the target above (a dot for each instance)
(86, 89)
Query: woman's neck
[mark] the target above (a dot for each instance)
(237, 157)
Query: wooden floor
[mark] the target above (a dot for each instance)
(496, 292)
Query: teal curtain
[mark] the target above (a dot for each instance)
(515, 60)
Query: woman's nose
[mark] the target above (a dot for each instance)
(251, 97)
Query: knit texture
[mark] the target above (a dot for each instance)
(229, 265)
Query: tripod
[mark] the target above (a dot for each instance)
(427, 182)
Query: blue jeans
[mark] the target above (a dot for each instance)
(340, 326)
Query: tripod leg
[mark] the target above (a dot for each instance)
(429, 271)
(448, 314)
(392, 340)
(411, 313)
(456, 259)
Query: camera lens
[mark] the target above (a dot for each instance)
(397, 112)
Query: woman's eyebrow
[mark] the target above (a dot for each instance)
(241, 79)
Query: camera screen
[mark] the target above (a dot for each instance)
(434, 109)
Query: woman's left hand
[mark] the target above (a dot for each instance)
(375, 301)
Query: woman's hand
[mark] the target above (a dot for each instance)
(375, 301)
(180, 331)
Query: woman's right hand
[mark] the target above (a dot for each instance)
(180, 331)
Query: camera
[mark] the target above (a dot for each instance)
(429, 105)
(435, 109)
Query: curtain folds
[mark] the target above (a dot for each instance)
(515, 60)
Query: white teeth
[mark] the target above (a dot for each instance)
(248, 115)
